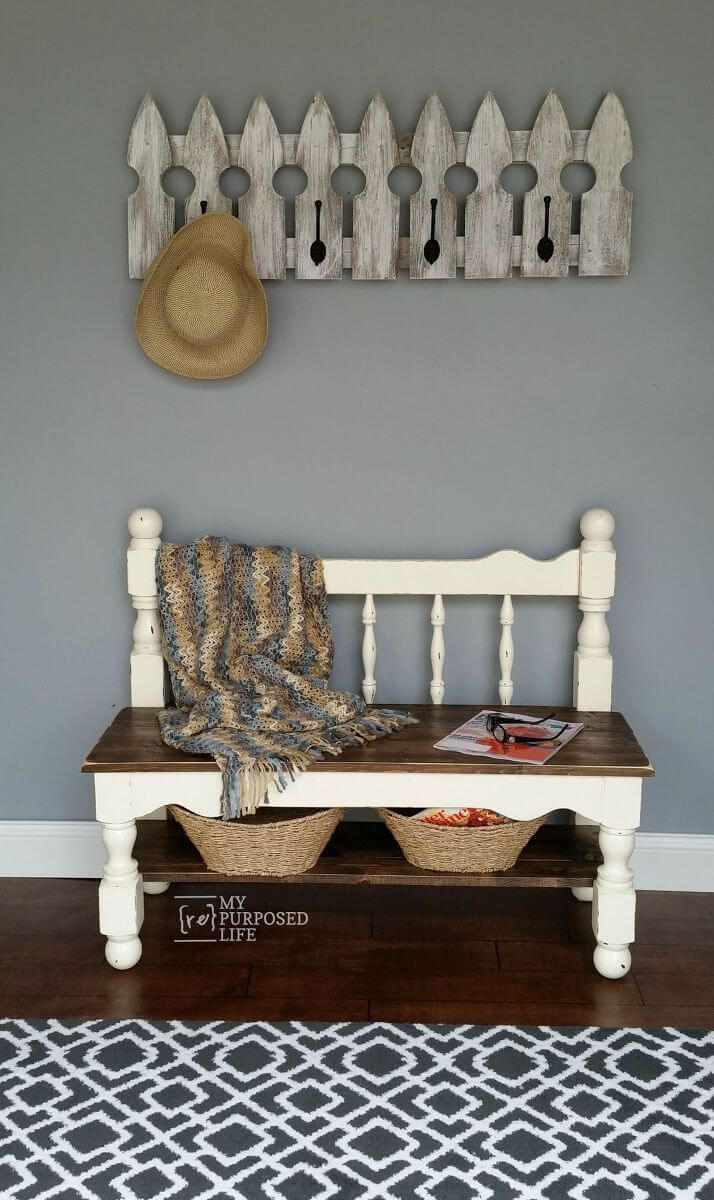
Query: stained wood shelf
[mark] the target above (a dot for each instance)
(606, 746)
(364, 852)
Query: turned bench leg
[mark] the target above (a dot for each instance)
(121, 899)
(582, 893)
(614, 903)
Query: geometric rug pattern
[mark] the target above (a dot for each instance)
(182, 1110)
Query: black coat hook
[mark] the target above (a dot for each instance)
(318, 249)
(204, 206)
(432, 249)
(545, 246)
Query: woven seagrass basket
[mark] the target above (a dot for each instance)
(277, 841)
(464, 848)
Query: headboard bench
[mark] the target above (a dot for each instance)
(598, 777)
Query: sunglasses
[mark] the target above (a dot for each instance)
(497, 725)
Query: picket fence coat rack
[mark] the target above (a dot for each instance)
(488, 250)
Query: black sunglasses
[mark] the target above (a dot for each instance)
(496, 724)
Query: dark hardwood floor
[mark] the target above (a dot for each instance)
(501, 955)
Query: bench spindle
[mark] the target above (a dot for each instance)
(438, 650)
(147, 664)
(369, 648)
(147, 674)
(505, 651)
(592, 676)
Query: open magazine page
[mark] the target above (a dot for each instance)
(517, 737)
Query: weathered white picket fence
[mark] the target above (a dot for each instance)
(489, 248)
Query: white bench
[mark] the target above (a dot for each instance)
(598, 776)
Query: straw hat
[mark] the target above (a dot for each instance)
(202, 312)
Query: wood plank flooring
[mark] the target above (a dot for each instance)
(487, 956)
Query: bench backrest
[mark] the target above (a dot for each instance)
(587, 572)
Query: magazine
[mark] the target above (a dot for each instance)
(517, 737)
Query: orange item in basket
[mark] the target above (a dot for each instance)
(460, 817)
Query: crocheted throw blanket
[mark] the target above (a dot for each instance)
(248, 642)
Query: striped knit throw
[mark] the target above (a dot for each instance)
(248, 642)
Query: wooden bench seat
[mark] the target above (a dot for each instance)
(606, 746)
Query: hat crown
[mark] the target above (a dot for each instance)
(202, 312)
(203, 301)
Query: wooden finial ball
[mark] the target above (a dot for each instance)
(597, 525)
(145, 523)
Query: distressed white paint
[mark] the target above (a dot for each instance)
(375, 211)
(318, 153)
(261, 209)
(606, 209)
(369, 648)
(433, 152)
(150, 210)
(550, 148)
(592, 662)
(205, 155)
(592, 668)
(404, 243)
(614, 902)
(147, 674)
(488, 243)
(610, 800)
(121, 900)
(438, 649)
(505, 571)
(348, 144)
(485, 252)
(505, 651)
(146, 663)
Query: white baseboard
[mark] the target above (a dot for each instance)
(51, 849)
(676, 862)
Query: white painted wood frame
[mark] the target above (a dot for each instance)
(586, 573)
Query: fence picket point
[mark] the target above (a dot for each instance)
(151, 212)
(261, 209)
(433, 151)
(606, 209)
(550, 148)
(318, 210)
(205, 155)
(375, 211)
(488, 227)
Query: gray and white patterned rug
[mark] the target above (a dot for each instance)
(177, 1110)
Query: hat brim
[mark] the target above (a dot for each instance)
(241, 346)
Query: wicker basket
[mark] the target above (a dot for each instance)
(278, 841)
(464, 848)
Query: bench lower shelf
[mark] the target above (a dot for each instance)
(365, 852)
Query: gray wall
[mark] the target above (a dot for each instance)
(433, 419)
